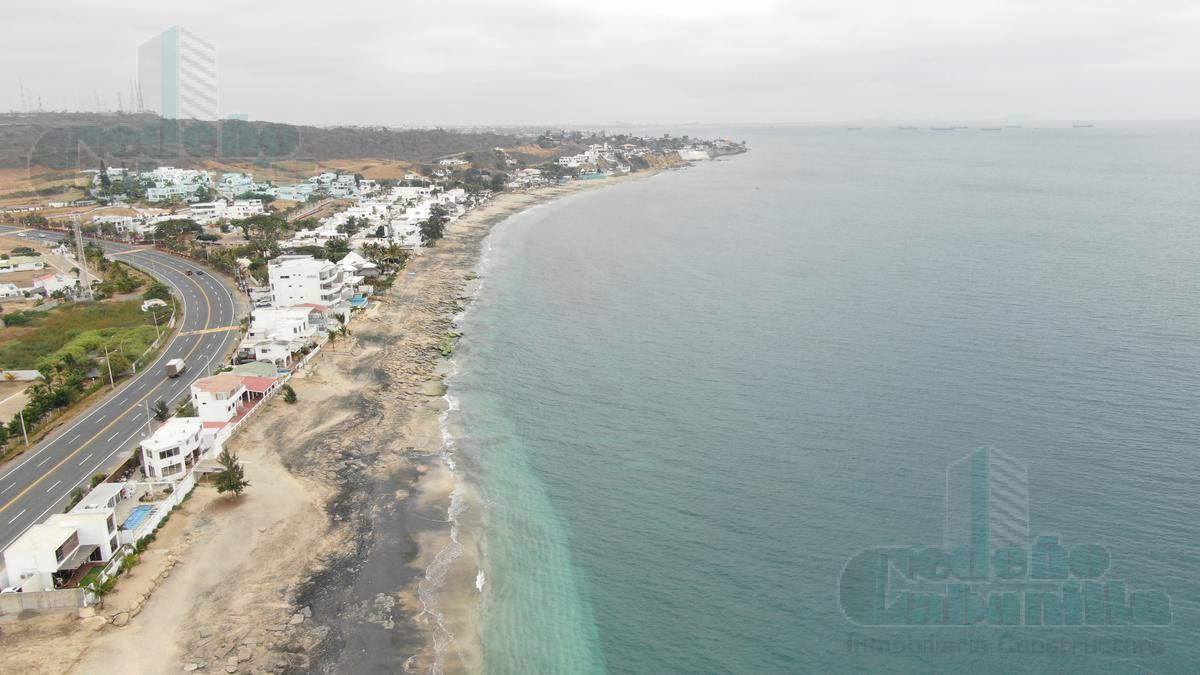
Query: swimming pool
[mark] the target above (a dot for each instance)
(136, 516)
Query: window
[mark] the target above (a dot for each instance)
(67, 547)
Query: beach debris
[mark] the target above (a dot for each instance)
(297, 619)
(190, 667)
(121, 619)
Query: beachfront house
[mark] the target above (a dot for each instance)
(276, 333)
(354, 264)
(216, 398)
(300, 279)
(48, 554)
(175, 447)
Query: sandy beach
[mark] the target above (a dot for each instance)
(328, 561)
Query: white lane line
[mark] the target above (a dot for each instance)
(113, 436)
(47, 459)
(73, 438)
(8, 488)
(17, 516)
(86, 458)
(53, 486)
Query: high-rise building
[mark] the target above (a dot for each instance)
(177, 75)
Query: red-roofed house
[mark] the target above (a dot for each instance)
(217, 398)
(52, 283)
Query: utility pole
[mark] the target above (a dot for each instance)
(111, 383)
(81, 253)
(23, 431)
(149, 430)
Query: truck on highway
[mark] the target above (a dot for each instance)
(175, 367)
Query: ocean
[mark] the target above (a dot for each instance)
(690, 402)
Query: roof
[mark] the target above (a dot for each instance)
(257, 383)
(173, 432)
(218, 384)
(23, 259)
(99, 496)
(323, 308)
(42, 536)
(256, 368)
(352, 258)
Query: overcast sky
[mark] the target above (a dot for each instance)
(581, 62)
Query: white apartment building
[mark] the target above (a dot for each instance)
(211, 213)
(175, 447)
(301, 279)
(295, 193)
(207, 213)
(244, 208)
(120, 223)
(233, 184)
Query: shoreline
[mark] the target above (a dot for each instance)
(343, 555)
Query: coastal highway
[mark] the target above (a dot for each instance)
(38, 482)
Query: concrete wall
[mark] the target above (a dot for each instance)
(67, 600)
(20, 375)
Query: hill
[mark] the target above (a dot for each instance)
(67, 141)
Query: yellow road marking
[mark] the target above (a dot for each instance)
(206, 331)
(22, 493)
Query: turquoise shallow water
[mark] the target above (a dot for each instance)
(691, 400)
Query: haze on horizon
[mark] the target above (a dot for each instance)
(536, 62)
